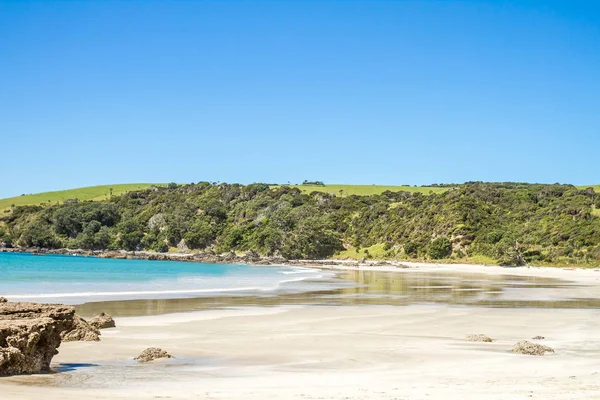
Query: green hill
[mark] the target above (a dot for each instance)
(503, 223)
(101, 192)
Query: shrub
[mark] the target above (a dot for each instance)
(440, 248)
(411, 249)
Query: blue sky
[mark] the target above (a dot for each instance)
(386, 92)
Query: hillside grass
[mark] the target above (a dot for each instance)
(595, 187)
(101, 192)
(365, 190)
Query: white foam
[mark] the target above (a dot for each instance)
(129, 293)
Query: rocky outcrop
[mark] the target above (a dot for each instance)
(532, 349)
(151, 354)
(82, 331)
(182, 246)
(251, 256)
(30, 334)
(3, 300)
(479, 338)
(102, 321)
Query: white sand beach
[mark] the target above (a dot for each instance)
(346, 352)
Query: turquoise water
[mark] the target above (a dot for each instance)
(77, 279)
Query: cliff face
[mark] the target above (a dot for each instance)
(30, 334)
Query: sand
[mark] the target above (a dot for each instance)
(346, 352)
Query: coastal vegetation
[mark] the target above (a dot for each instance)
(103, 192)
(506, 223)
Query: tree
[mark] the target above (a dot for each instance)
(200, 235)
(411, 249)
(440, 248)
(39, 234)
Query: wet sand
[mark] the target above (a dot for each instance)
(348, 344)
(387, 285)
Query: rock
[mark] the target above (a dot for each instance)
(151, 354)
(228, 257)
(532, 349)
(538, 338)
(30, 335)
(102, 321)
(157, 221)
(182, 246)
(3, 300)
(82, 331)
(251, 256)
(479, 338)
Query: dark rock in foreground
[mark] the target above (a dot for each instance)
(532, 349)
(102, 321)
(81, 331)
(151, 354)
(30, 333)
(479, 338)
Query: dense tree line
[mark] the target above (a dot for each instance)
(511, 223)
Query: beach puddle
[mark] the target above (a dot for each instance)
(400, 288)
(121, 374)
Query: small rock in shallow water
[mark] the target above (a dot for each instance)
(538, 338)
(151, 354)
(479, 338)
(102, 321)
(532, 349)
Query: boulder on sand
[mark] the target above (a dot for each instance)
(151, 354)
(81, 331)
(532, 349)
(102, 321)
(479, 338)
(30, 335)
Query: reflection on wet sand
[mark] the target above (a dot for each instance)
(381, 288)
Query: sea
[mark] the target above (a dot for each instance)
(72, 279)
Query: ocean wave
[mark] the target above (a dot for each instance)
(300, 270)
(131, 293)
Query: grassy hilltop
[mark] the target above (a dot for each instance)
(365, 190)
(85, 193)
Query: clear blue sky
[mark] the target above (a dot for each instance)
(386, 92)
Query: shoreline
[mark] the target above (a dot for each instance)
(354, 273)
(250, 257)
